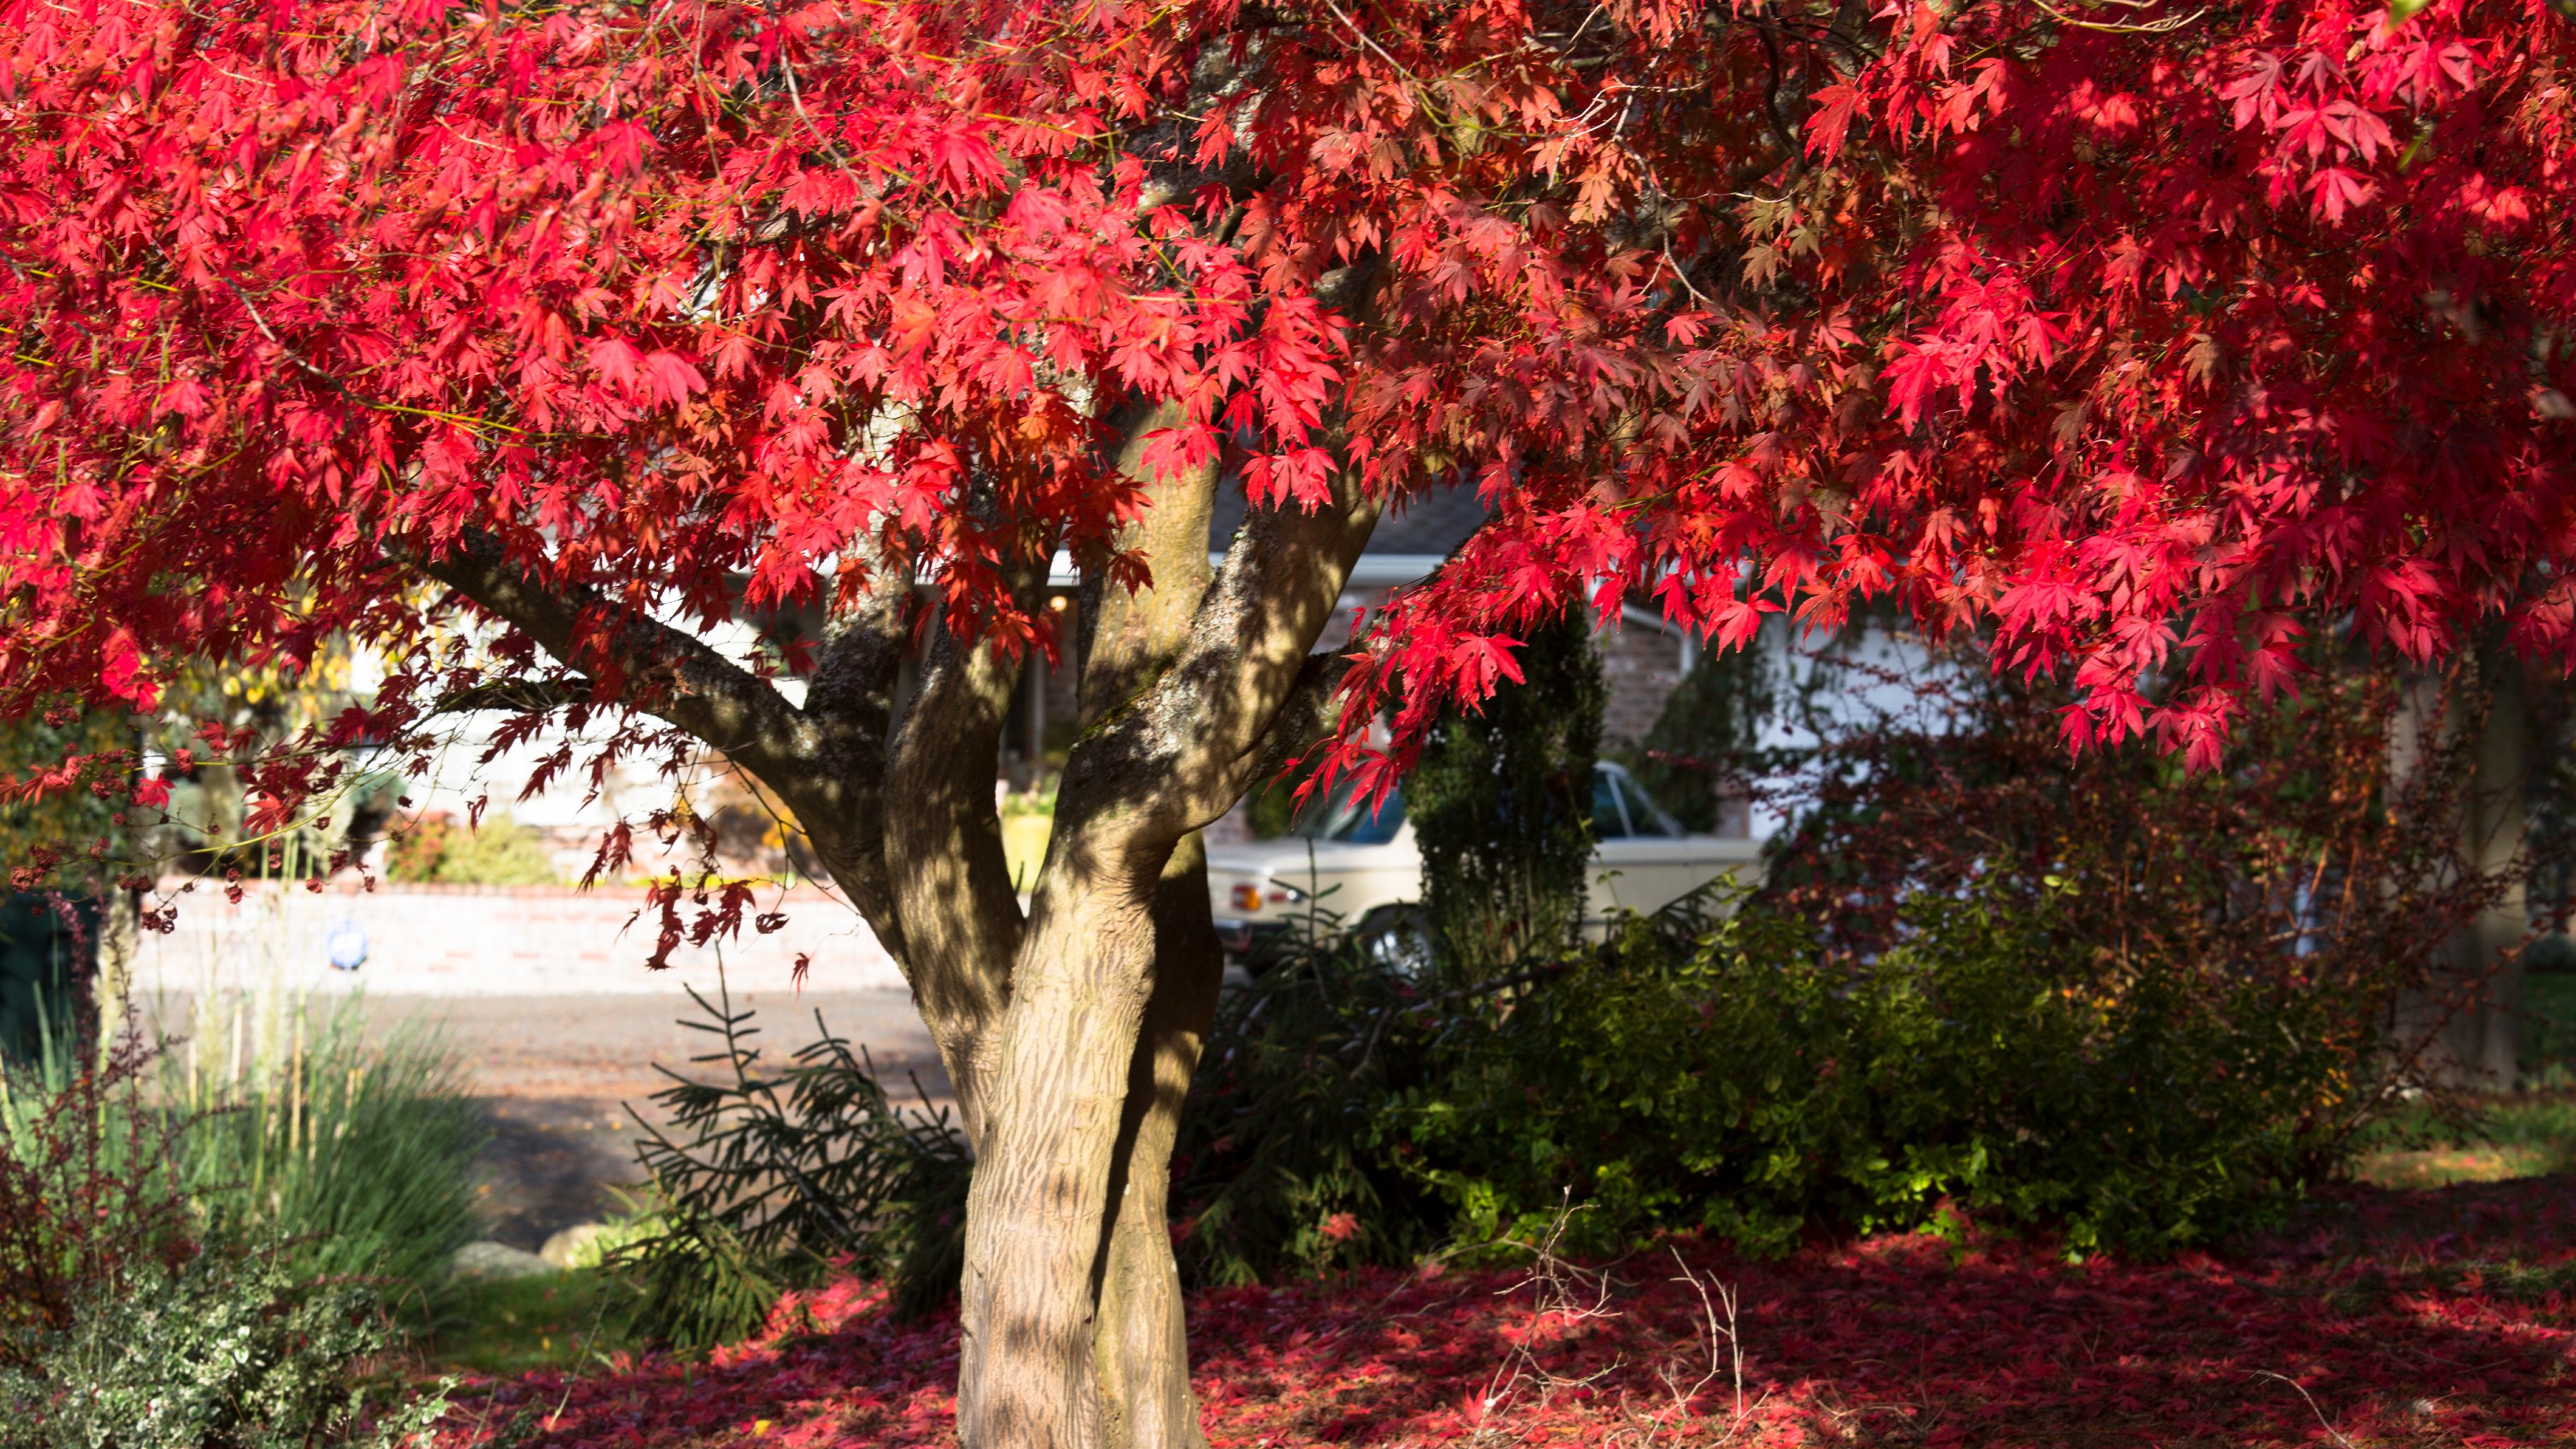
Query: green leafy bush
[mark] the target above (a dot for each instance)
(222, 1351)
(775, 1178)
(1705, 740)
(435, 848)
(1754, 1084)
(2549, 1024)
(1281, 1164)
(1730, 1073)
(1501, 804)
(2106, 998)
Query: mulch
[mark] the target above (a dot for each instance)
(2443, 1317)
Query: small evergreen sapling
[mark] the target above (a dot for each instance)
(1502, 807)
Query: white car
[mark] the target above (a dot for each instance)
(1365, 868)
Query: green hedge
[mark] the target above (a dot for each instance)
(1745, 1080)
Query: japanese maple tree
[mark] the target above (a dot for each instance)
(2141, 335)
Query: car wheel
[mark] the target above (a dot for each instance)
(1397, 939)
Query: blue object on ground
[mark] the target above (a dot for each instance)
(346, 944)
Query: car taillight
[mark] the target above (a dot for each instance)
(1246, 897)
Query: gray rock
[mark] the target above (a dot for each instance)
(494, 1262)
(575, 1247)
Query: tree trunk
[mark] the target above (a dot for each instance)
(1072, 1318)
(2466, 1015)
(2480, 1044)
(1070, 1038)
(1037, 1214)
(1140, 1352)
(1071, 1307)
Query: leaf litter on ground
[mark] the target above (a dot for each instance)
(2384, 1318)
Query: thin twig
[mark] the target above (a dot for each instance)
(2312, 1405)
(2153, 27)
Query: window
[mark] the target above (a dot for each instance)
(1336, 818)
(1644, 814)
(1608, 823)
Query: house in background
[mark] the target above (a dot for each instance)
(1642, 658)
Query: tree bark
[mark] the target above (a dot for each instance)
(1067, 1204)
(1141, 1351)
(2464, 1021)
(943, 846)
(2480, 1043)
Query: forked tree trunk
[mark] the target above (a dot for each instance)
(1070, 1038)
(1071, 1301)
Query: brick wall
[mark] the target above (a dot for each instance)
(1641, 666)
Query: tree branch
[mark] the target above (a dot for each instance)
(827, 765)
(689, 683)
(1179, 753)
(1133, 636)
(519, 696)
(943, 848)
(850, 700)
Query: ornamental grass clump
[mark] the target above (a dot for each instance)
(354, 1156)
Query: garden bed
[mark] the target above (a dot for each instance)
(2419, 1318)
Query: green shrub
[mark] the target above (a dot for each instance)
(2548, 1023)
(1501, 804)
(270, 1124)
(1754, 1085)
(434, 848)
(1719, 1067)
(1706, 736)
(1281, 1164)
(223, 1351)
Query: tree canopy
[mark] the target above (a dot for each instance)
(2135, 336)
(2129, 332)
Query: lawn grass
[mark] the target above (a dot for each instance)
(2526, 1135)
(2530, 1133)
(2462, 1162)
(563, 1323)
